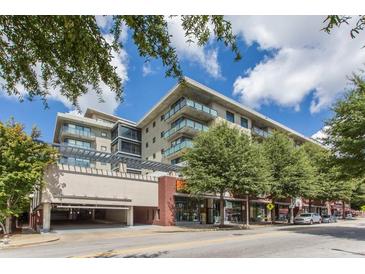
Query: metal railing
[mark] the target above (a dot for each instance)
(185, 123)
(73, 162)
(178, 147)
(260, 132)
(78, 132)
(192, 104)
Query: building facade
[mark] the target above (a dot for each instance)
(115, 170)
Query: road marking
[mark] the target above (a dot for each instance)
(176, 246)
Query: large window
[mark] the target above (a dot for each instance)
(229, 116)
(77, 143)
(130, 133)
(75, 161)
(244, 122)
(76, 129)
(131, 148)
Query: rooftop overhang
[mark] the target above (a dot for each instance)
(106, 157)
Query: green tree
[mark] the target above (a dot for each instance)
(333, 21)
(289, 167)
(358, 195)
(70, 53)
(224, 160)
(22, 163)
(346, 130)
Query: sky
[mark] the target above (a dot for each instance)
(291, 71)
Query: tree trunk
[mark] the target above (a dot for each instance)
(343, 210)
(273, 213)
(3, 228)
(310, 205)
(247, 211)
(291, 211)
(221, 209)
(8, 225)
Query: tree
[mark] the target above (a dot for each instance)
(223, 160)
(289, 167)
(346, 130)
(338, 20)
(71, 53)
(358, 196)
(320, 160)
(22, 163)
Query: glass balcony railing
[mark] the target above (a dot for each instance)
(185, 123)
(81, 133)
(192, 104)
(178, 147)
(76, 162)
(85, 146)
(260, 132)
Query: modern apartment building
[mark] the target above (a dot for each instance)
(115, 170)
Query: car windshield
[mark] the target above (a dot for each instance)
(306, 215)
(325, 216)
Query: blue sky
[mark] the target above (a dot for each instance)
(280, 75)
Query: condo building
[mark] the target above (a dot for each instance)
(117, 171)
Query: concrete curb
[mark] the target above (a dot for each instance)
(15, 245)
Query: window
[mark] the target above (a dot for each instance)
(146, 144)
(75, 161)
(77, 143)
(176, 161)
(131, 148)
(162, 117)
(154, 140)
(153, 124)
(103, 148)
(103, 163)
(79, 130)
(162, 133)
(130, 133)
(229, 116)
(146, 129)
(154, 155)
(104, 134)
(244, 122)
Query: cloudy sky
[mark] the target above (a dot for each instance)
(291, 71)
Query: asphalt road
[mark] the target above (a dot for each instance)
(343, 239)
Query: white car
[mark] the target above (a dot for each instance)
(308, 218)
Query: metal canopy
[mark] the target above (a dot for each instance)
(116, 158)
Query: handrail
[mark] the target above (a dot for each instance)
(78, 132)
(178, 147)
(192, 104)
(185, 123)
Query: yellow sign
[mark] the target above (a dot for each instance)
(270, 206)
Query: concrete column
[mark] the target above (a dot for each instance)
(46, 224)
(130, 216)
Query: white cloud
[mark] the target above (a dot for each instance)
(320, 135)
(206, 58)
(306, 60)
(147, 69)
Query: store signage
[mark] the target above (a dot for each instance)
(180, 185)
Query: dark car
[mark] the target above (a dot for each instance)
(329, 218)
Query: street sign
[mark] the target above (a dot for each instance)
(270, 206)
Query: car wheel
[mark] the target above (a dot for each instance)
(311, 222)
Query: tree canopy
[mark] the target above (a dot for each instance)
(22, 164)
(72, 55)
(224, 160)
(346, 130)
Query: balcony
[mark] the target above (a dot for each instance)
(174, 150)
(260, 132)
(81, 134)
(192, 108)
(77, 162)
(186, 126)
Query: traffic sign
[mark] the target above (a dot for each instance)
(270, 206)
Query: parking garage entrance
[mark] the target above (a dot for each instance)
(73, 217)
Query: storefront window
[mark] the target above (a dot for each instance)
(187, 209)
(258, 212)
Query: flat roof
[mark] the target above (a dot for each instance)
(226, 101)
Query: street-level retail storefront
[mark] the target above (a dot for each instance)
(206, 210)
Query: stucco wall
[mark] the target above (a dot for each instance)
(68, 186)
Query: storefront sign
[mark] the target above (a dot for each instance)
(180, 185)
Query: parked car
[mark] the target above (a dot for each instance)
(329, 218)
(349, 217)
(308, 218)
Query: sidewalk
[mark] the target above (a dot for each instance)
(20, 240)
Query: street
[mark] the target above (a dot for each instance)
(343, 239)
